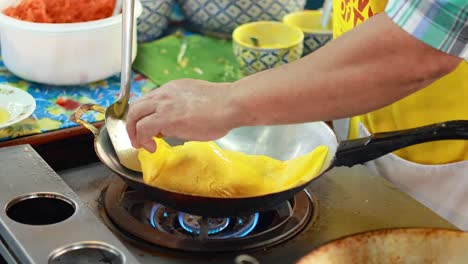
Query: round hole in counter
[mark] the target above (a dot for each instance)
(40, 209)
(86, 252)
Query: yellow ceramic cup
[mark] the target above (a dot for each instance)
(266, 44)
(309, 21)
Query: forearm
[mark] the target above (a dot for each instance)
(370, 67)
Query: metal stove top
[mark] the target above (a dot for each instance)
(346, 201)
(132, 215)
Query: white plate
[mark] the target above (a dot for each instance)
(18, 103)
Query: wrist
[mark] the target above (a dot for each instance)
(242, 111)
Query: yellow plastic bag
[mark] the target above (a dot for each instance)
(204, 169)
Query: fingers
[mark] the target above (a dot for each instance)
(146, 129)
(137, 111)
(151, 94)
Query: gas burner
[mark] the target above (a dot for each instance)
(138, 219)
(193, 224)
(168, 220)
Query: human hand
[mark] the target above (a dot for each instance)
(185, 109)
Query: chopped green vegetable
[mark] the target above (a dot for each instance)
(255, 41)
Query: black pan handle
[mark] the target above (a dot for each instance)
(361, 150)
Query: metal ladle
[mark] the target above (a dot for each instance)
(116, 114)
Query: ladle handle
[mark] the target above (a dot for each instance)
(359, 151)
(76, 117)
(127, 52)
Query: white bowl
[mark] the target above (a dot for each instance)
(63, 54)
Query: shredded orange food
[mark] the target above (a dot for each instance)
(61, 11)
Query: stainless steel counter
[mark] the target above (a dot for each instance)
(25, 176)
(349, 200)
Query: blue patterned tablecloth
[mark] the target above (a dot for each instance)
(56, 103)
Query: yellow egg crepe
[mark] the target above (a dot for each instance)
(204, 169)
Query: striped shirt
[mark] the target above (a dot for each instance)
(442, 24)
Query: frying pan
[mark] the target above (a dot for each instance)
(282, 142)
